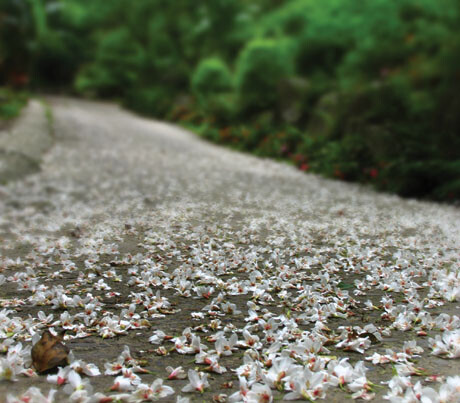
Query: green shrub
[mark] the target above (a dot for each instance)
(116, 66)
(156, 101)
(261, 66)
(212, 76)
(437, 179)
(212, 85)
(11, 103)
(54, 61)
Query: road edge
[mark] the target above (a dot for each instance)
(23, 145)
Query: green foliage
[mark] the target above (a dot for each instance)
(157, 100)
(116, 65)
(212, 76)
(11, 103)
(16, 28)
(323, 32)
(363, 90)
(436, 178)
(34, 53)
(54, 60)
(260, 68)
(212, 84)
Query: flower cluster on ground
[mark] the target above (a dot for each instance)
(192, 300)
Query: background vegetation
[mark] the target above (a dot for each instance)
(364, 91)
(11, 103)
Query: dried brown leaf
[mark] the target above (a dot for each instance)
(49, 352)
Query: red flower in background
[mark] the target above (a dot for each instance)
(19, 79)
(373, 173)
(304, 167)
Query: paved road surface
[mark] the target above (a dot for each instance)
(116, 183)
(110, 167)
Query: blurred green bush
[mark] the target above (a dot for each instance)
(115, 68)
(212, 85)
(260, 69)
(211, 76)
(11, 103)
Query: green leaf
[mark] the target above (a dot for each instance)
(345, 286)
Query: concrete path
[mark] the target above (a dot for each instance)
(116, 186)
